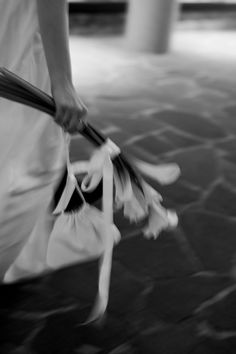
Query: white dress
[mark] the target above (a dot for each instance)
(31, 147)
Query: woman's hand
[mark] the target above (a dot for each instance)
(70, 110)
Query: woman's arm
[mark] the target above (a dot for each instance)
(53, 23)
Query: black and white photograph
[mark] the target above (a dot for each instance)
(118, 177)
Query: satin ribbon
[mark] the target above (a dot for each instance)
(98, 167)
(136, 206)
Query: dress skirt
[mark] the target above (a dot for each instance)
(32, 149)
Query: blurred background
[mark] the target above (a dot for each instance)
(157, 51)
(159, 77)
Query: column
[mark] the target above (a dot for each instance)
(149, 24)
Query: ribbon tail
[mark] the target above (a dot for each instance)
(101, 301)
(106, 259)
(66, 195)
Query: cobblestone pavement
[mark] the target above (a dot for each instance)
(175, 295)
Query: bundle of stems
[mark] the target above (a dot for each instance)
(16, 89)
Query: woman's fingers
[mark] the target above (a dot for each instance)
(71, 119)
(70, 110)
(76, 121)
(60, 116)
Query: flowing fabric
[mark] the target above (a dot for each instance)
(32, 152)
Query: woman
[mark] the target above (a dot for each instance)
(34, 45)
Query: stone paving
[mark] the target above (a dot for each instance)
(175, 295)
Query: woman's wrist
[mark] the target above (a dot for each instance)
(59, 83)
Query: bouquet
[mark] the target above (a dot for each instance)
(109, 166)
